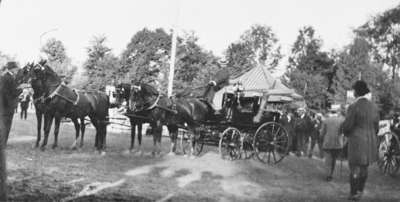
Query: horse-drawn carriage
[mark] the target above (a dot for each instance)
(389, 146)
(246, 126)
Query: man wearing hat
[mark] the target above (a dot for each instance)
(361, 127)
(332, 136)
(303, 126)
(9, 96)
(8, 100)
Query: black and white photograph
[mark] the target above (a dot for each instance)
(199, 101)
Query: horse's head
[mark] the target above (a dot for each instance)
(122, 93)
(24, 74)
(142, 95)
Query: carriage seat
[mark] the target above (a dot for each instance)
(211, 106)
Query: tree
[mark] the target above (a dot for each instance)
(101, 65)
(56, 55)
(354, 61)
(310, 70)
(256, 46)
(383, 33)
(147, 56)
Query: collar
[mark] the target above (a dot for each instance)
(154, 104)
(359, 98)
(9, 72)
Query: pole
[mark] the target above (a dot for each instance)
(173, 54)
(172, 64)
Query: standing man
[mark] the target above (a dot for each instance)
(332, 140)
(8, 100)
(303, 129)
(361, 127)
(9, 95)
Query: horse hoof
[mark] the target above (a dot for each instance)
(171, 154)
(54, 147)
(192, 157)
(42, 148)
(102, 153)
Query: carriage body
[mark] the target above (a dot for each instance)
(236, 134)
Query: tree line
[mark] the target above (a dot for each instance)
(322, 77)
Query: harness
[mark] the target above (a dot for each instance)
(155, 105)
(56, 93)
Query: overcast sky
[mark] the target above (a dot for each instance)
(216, 22)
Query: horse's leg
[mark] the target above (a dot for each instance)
(83, 127)
(102, 134)
(157, 131)
(173, 134)
(57, 121)
(39, 116)
(76, 124)
(139, 126)
(133, 132)
(95, 124)
(48, 119)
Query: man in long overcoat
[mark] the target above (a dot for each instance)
(361, 127)
(8, 100)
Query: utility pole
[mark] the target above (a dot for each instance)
(173, 53)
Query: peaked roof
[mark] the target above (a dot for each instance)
(256, 79)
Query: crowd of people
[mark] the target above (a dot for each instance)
(350, 133)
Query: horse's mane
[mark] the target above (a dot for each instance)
(48, 70)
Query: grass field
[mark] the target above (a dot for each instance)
(63, 174)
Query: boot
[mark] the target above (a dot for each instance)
(361, 185)
(353, 188)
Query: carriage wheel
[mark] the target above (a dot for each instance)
(230, 144)
(247, 150)
(389, 149)
(271, 142)
(185, 143)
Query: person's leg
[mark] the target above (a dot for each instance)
(354, 176)
(3, 172)
(328, 163)
(363, 179)
(8, 122)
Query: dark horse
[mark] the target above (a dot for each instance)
(123, 93)
(175, 113)
(38, 95)
(62, 101)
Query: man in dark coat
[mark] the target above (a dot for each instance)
(9, 96)
(8, 100)
(361, 127)
(303, 128)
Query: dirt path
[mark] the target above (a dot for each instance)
(83, 175)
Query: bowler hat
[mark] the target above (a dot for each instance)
(361, 88)
(11, 65)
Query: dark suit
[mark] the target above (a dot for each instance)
(288, 124)
(303, 129)
(8, 102)
(361, 127)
